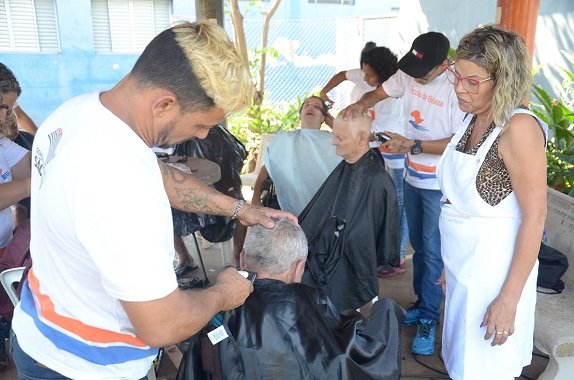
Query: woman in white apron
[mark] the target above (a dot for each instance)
(493, 177)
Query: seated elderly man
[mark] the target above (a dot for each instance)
(299, 161)
(288, 330)
(352, 222)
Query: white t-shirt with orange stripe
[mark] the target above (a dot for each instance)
(101, 232)
(432, 113)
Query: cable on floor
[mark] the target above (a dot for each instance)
(416, 359)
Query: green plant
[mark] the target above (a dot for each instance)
(263, 118)
(559, 115)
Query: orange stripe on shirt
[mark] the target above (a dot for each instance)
(421, 167)
(86, 332)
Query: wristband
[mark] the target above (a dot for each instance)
(237, 208)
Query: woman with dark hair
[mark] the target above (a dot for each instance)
(493, 177)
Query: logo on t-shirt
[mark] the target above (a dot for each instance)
(417, 120)
(39, 162)
(5, 175)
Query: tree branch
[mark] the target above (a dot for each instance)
(264, 42)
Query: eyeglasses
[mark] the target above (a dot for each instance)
(469, 84)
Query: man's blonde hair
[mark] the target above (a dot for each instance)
(215, 61)
(198, 63)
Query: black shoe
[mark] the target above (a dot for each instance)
(190, 283)
(181, 271)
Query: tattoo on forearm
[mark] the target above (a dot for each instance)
(197, 200)
(190, 197)
(174, 174)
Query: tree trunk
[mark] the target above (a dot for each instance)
(264, 41)
(239, 32)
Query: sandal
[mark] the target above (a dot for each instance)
(183, 270)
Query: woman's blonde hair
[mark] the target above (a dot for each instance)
(504, 56)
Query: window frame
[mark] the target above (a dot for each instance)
(29, 26)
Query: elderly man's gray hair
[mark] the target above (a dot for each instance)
(276, 249)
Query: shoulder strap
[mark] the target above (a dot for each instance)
(543, 126)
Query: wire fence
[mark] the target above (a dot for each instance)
(311, 51)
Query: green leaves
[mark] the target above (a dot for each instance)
(559, 116)
(264, 118)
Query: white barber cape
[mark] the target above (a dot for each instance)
(477, 242)
(298, 162)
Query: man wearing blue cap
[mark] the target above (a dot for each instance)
(432, 118)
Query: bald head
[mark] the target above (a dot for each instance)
(351, 137)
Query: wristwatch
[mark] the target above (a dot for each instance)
(417, 148)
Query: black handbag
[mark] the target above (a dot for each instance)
(552, 266)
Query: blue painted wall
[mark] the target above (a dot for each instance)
(47, 80)
(50, 79)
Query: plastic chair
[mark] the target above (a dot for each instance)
(8, 278)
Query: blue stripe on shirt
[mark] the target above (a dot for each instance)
(98, 355)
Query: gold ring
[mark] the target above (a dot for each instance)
(499, 333)
(505, 333)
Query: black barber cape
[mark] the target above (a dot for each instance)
(352, 226)
(294, 332)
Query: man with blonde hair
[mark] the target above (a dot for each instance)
(352, 222)
(103, 296)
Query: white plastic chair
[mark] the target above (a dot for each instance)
(8, 278)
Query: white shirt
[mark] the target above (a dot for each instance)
(10, 154)
(432, 113)
(102, 232)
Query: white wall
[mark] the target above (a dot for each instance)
(455, 18)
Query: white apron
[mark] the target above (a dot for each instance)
(477, 245)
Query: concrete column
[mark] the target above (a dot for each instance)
(519, 16)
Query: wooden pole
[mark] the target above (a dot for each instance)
(210, 10)
(519, 16)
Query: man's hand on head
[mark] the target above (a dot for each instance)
(354, 110)
(250, 215)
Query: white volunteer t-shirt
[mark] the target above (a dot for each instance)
(10, 154)
(102, 232)
(431, 112)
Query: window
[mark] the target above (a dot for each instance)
(341, 2)
(127, 26)
(28, 26)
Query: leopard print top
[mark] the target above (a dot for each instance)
(492, 181)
